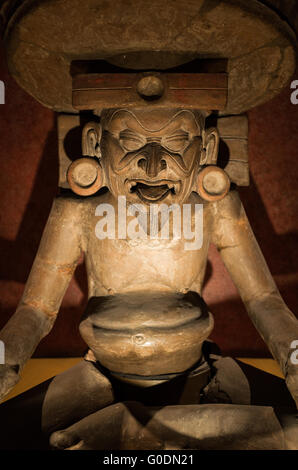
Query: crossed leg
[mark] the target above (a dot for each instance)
(77, 410)
(132, 426)
(31, 417)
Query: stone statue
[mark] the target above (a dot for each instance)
(146, 322)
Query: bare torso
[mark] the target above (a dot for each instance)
(155, 321)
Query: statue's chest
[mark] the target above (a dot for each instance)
(170, 257)
(137, 263)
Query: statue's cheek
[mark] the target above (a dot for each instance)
(192, 155)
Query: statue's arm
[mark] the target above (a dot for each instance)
(53, 267)
(243, 258)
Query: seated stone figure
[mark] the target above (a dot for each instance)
(151, 379)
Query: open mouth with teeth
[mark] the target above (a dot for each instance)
(153, 191)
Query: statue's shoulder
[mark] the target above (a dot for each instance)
(66, 205)
(73, 214)
(69, 203)
(228, 219)
(229, 207)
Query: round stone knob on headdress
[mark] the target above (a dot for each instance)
(84, 176)
(213, 183)
(150, 87)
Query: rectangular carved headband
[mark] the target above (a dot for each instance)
(205, 91)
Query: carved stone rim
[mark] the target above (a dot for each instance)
(259, 45)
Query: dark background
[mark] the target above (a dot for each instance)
(28, 183)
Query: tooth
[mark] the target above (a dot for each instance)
(131, 185)
(176, 187)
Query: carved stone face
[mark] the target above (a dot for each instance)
(151, 156)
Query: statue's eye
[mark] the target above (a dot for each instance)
(177, 142)
(131, 141)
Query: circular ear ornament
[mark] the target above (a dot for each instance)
(213, 183)
(84, 176)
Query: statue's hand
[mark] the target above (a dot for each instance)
(9, 377)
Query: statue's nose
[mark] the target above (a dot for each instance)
(152, 161)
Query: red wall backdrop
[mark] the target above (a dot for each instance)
(28, 183)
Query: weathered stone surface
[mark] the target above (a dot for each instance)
(43, 38)
(233, 149)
